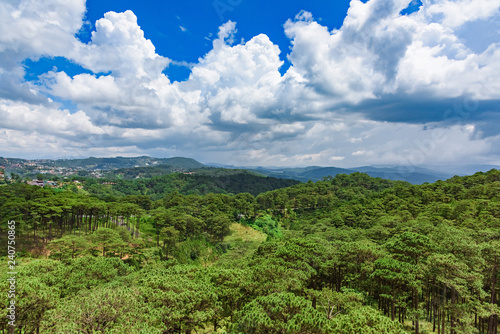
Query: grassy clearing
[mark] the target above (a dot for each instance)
(243, 241)
(244, 233)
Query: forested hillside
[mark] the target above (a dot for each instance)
(200, 182)
(350, 254)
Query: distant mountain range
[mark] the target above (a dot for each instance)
(145, 166)
(463, 169)
(124, 162)
(415, 175)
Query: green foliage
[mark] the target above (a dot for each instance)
(195, 250)
(201, 182)
(350, 254)
(43, 285)
(280, 313)
(69, 246)
(109, 240)
(365, 320)
(269, 226)
(180, 299)
(103, 310)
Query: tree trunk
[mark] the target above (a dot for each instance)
(393, 308)
(438, 323)
(415, 307)
(492, 324)
(443, 313)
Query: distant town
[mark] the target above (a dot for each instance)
(44, 172)
(55, 173)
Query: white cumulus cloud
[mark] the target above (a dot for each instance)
(236, 106)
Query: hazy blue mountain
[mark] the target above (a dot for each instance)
(186, 163)
(288, 173)
(463, 169)
(415, 175)
(218, 165)
(319, 173)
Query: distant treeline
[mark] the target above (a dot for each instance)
(225, 181)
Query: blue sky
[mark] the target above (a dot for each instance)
(184, 31)
(344, 83)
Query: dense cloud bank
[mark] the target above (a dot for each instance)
(384, 88)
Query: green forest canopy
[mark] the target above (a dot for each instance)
(350, 254)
